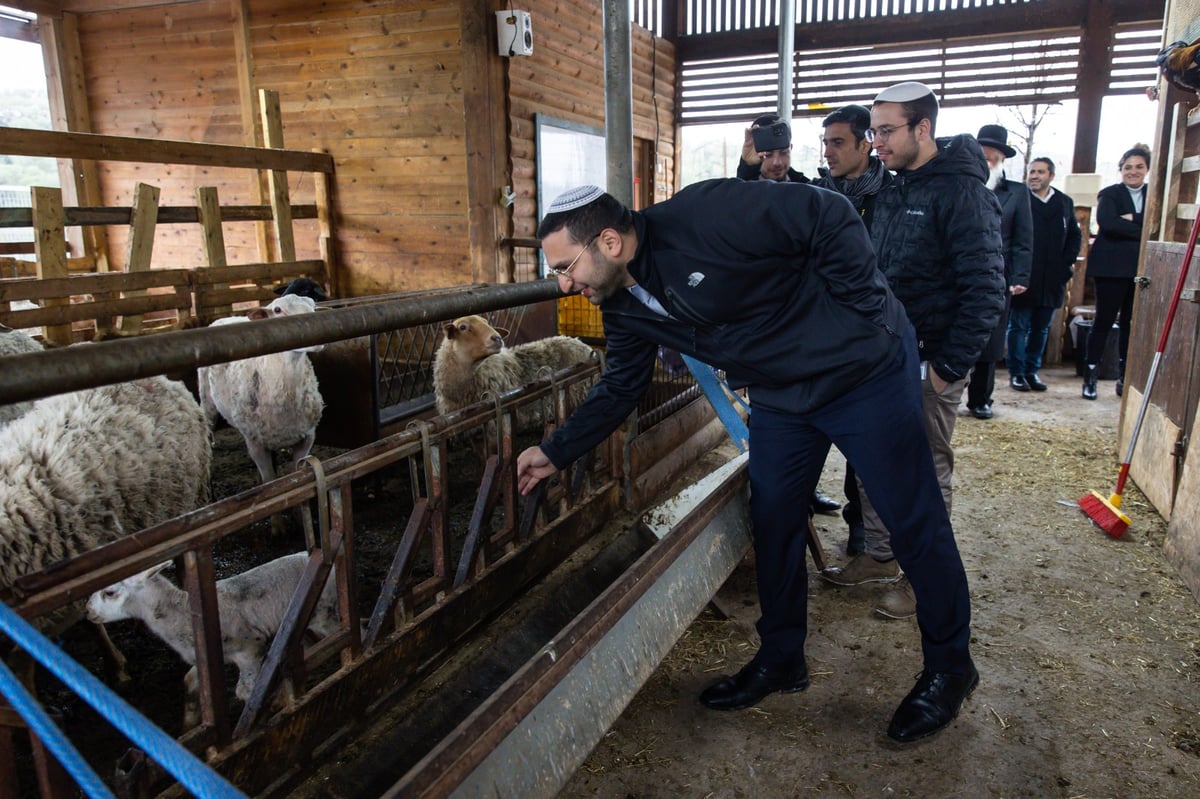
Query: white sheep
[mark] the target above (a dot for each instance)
(251, 606)
(80, 470)
(272, 400)
(472, 361)
(15, 342)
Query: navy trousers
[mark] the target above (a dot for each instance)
(878, 427)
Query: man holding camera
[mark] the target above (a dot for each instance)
(767, 152)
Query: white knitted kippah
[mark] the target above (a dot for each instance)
(575, 198)
(904, 92)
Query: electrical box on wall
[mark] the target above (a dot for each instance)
(514, 33)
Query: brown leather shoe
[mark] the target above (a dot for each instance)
(899, 602)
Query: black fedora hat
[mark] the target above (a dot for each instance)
(996, 136)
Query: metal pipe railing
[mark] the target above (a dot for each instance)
(57, 371)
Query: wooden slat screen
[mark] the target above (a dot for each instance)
(964, 71)
(707, 16)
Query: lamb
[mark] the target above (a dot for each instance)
(80, 470)
(472, 361)
(272, 400)
(251, 606)
(15, 342)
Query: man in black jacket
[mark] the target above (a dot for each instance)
(1016, 231)
(857, 175)
(784, 297)
(773, 164)
(936, 233)
(1056, 242)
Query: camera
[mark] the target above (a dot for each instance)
(772, 137)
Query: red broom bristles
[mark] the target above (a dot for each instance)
(1104, 515)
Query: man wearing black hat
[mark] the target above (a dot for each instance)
(1016, 229)
(768, 154)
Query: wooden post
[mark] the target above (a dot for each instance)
(51, 251)
(142, 224)
(63, 61)
(281, 204)
(326, 242)
(213, 240)
(248, 103)
(1095, 65)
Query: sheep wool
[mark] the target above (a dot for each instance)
(472, 362)
(15, 342)
(82, 469)
(272, 400)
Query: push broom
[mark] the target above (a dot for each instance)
(1106, 513)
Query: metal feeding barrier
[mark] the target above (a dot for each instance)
(449, 570)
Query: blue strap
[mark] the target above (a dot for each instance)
(719, 393)
(191, 772)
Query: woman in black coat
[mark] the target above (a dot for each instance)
(1113, 261)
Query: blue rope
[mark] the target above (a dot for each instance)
(190, 771)
(41, 724)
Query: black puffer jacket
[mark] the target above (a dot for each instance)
(775, 283)
(937, 237)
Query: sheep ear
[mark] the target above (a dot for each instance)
(502, 331)
(449, 329)
(258, 313)
(153, 570)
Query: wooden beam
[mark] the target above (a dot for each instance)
(21, 30)
(484, 100)
(1095, 64)
(167, 215)
(44, 8)
(67, 91)
(56, 144)
(272, 125)
(248, 106)
(141, 246)
(213, 239)
(51, 251)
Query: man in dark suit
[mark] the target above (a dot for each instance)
(1056, 242)
(1016, 228)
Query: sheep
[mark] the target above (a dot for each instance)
(303, 287)
(472, 361)
(272, 400)
(15, 342)
(251, 606)
(80, 470)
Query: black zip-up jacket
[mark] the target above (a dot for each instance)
(775, 283)
(937, 236)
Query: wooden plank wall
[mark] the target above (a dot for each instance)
(390, 89)
(565, 78)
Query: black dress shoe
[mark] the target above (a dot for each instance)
(824, 504)
(1019, 383)
(982, 412)
(932, 704)
(750, 685)
(1035, 383)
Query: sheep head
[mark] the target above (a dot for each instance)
(473, 338)
(111, 604)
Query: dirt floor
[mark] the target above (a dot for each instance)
(1088, 650)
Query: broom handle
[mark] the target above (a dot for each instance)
(1158, 351)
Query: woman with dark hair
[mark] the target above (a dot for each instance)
(1113, 261)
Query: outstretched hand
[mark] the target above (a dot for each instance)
(532, 467)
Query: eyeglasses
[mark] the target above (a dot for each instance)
(565, 271)
(885, 131)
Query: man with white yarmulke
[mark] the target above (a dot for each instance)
(784, 296)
